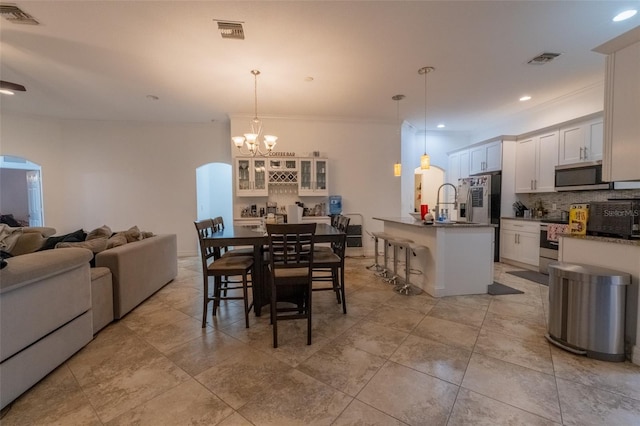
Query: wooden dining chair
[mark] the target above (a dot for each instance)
(290, 260)
(328, 266)
(219, 267)
(218, 224)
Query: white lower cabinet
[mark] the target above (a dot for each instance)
(520, 241)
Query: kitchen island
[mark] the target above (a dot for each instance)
(458, 259)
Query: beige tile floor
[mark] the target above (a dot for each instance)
(392, 360)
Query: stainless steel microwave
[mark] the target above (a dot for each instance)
(580, 177)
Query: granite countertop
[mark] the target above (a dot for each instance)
(635, 242)
(412, 222)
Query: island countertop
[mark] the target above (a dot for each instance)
(451, 259)
(411, 221)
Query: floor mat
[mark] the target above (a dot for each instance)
(497, 289)
(536, 277)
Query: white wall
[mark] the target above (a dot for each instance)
(118, 173)
(361, 157)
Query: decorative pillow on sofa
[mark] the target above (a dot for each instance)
(74, 237)
(117, 240)
(132, 234)
(146, 234)
(103, 232)
(96, 245)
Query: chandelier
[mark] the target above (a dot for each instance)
(397, 168)
(251, 139)
(425, 161)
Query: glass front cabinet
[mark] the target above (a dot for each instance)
(251, 177)
(313, 179)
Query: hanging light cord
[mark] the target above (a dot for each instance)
(425, 109)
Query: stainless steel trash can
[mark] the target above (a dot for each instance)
(587, 310)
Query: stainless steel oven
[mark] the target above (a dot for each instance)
(548, 250)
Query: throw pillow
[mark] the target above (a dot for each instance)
(117, 240)
(103, 232)
(74, 237)
(9, 220)
(146, 234)
(132, 234)
(96, 245)
(28, 242)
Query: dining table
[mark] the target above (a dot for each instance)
(234, 236)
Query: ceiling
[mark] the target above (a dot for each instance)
(101, 59)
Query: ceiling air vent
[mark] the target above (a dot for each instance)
(231, 30)
(543, 58)
(12, 13)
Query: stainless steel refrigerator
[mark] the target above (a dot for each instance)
(479, 202)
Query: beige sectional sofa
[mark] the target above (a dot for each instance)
(45, 315)
(52, 302)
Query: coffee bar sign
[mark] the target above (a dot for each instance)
(281, 154)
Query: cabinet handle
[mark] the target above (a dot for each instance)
(585, 152)
(581, 148)
(535, 184)
(531, 184)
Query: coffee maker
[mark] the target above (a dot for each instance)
(272, 207)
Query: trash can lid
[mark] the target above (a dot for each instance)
(588, 273)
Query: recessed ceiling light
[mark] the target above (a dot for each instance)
(308, 79)
(6, 92)
(441, 126)
(625, 15)
(152, 97)
(525, 98)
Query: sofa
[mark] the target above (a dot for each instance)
(45, 315)
(52, 302)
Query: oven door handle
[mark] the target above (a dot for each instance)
(552, 243)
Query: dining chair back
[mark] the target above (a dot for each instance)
(220, 268)
(290, 272)
(328, 266)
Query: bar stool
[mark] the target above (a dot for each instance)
(376, 266)
(404, 286)
(397, 243)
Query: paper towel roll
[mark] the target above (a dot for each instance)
(294, 213)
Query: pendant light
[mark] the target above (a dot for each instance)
(425, 161)
(251, 139)
(397, 168)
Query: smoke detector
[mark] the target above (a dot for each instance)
(230, 29)
(14, 14)
(543, 58)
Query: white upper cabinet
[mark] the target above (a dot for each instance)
(485, 158)
(251, 177)
(313, 177)
(621, 154)
(536, 159)
(581, 142)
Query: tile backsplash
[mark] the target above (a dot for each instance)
(563, 200)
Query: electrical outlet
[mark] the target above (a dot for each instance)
(553, 206)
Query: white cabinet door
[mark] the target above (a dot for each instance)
(485, 158)
(494, 157)
(546, 162)
(251, 177)
(536, 160)
(571, 148)
(525, 165)
(594, 139)
(464, 164)
(529, 248)
(581, 142)
(508, 246)
(477, 159)
(313, 179)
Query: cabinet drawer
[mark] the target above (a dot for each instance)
(521, 226)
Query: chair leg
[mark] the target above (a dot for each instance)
(344, 298)
(309, 316)
(205, 301)
(246, 298)
(274, 318)
(336, 283)
(217, 282)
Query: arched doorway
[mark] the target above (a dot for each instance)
(21, 190)
(214, 191)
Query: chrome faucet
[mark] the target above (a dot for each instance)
(455, 197)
